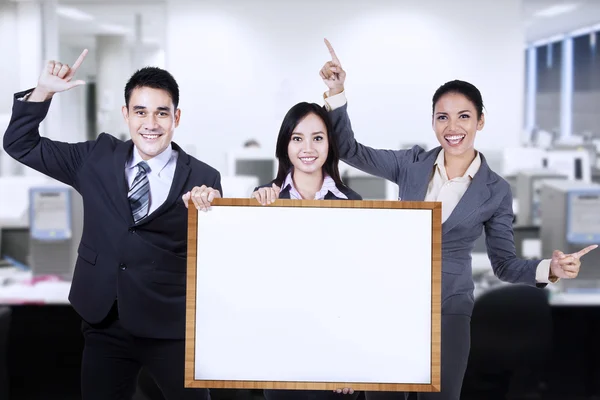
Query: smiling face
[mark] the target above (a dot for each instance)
(455, 122)
(308, 146)
(152, 119)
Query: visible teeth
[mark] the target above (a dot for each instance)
(308, 158)
(150, 136)
(457, 137)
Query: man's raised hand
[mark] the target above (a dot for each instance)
(55, 78)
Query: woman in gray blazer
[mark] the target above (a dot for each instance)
(474, 198)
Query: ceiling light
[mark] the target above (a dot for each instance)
(555, 10)
(73, 13)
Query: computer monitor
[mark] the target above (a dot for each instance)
(595, 174)
(14, 199)
(529, 187)
(56, 225)
(583, 217)
(574, 163)
(14, 245)
(570, 222)
(14, 215)
(252, 162)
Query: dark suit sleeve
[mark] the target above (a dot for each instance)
(217, 183)
(501, 250)
(22, 141)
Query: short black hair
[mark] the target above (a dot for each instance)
(466, 89)
(155, 78)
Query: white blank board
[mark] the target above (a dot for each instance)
(300, 294)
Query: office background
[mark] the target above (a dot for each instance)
(240, 65)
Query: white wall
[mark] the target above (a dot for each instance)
(242, 65)
(21, 48)
(113, 57)
(8, 47)
(73, 102)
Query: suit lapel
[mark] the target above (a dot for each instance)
(182, 172)
(120, 157)
(285, 193)
(477, 193)
(418, 176)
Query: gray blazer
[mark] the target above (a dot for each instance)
(487, 204)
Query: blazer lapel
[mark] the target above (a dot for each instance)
(477, 193)
(182, 172)
(285, 193)
(120, 157)
(418, 176)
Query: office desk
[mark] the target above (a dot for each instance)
(561, 299)
(21, 287)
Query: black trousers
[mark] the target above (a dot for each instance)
(112, 359)
(456, 343)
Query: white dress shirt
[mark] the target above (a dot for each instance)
(160, 177)
(447, 191)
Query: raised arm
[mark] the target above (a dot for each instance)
(22, 139)
(383, 163)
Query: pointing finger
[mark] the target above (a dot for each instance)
(79, 60)
(583, 252)
(77, 63)
(334, 57)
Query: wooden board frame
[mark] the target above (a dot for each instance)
(436, 264)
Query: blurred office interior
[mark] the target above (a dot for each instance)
(240, 65)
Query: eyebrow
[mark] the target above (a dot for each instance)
(445, 113)
(314, 133)
(161, 108)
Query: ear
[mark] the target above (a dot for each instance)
(177, 117)
(125, 113)
(481, 122)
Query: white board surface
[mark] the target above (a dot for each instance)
(314, 295)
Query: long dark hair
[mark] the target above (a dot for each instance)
(290, 121)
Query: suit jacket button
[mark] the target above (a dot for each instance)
(131, 230)
(122, 266)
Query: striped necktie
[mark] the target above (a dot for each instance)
(139, 193)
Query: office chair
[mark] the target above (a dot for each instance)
(511, 340)
(5, 318)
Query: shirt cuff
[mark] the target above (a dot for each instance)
(542, 273)
(335, 101)
(26, 97)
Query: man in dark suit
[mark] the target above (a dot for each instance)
(130, 276)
